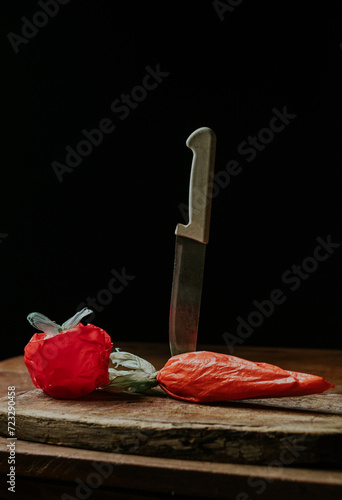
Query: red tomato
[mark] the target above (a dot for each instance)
(69, 364)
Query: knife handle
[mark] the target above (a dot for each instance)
(202, 142)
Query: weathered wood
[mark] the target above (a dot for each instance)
(248, 432)
(56, 468)
(157, 425)
(294, 426)
(318, 403)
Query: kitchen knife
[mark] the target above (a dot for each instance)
(191, 240)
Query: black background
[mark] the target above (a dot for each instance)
(120, 206)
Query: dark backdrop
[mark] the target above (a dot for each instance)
(229, 66)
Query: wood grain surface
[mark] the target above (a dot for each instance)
(51, 471)
(306, 431)
(302, 440)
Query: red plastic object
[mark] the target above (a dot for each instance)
(204, 377)
(71, 364)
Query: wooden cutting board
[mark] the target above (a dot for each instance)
(296, 432)
(303, 431)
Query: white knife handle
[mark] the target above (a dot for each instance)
(202, 142)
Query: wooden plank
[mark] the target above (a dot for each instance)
(132, 477)
(318, 403)
(49, 471)
(159, 426)
(249, 432)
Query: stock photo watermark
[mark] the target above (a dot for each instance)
(117, 283)
(85, 488)
(293, 278)
(248, 148)
(30, 28)
(121, 107)
(11, 439)
(3, 236)
(222, 7)
(130, 443)
(289, 453)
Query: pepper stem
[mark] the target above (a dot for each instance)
(141, 377)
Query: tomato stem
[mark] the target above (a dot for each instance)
(51, 328)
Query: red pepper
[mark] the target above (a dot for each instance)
(71, 363)
(72, 360)
(204, 377)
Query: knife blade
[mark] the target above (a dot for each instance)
(190, 249)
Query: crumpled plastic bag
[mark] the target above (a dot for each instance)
(204, 377)
(71, 364)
